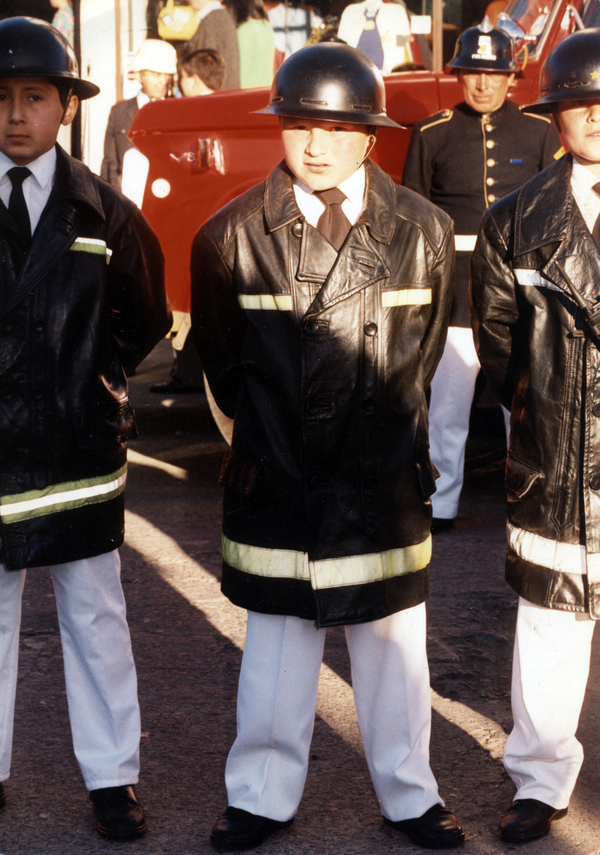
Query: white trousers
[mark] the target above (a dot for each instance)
(550, 672)
(99, 669)
(267, 765)
(452, 392)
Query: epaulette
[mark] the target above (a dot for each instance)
(438, 119)
(535, 116)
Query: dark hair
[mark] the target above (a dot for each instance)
(65, 90)
(243, 10)
(208, 64)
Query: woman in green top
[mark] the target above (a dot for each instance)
(256, 42)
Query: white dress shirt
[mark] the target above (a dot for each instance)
(588, 200)
(36, 187)
(353, 188)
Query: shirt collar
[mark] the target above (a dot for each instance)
(582, 178)
(353, 188)
(42, 168)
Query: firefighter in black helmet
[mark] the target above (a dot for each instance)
(81, 302)
(319, 305)
(535, 294)
(463, 160)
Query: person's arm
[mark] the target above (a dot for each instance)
(139, 311)
(495, 310)
(442, 290)
(109, 169)
(218, 322)
(418, 166)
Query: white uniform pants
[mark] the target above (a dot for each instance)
(99, 669)
(550, 673)
(452, 392)
(267, 765)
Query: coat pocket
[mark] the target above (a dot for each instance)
(519, 478)
(238, 474)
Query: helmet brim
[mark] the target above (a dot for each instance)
(327, 115)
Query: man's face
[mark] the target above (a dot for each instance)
(323, 154)
(485, 92)
(30, 116)
(154, 84)
(579, 124)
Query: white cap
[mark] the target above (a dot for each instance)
(155, 55)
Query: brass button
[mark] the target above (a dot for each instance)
(490, 182)
(491, 161)
(491, 198)
(490, 143)
(489, 128)
(297, 229)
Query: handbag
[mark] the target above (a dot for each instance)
(177, 23)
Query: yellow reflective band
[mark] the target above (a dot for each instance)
(269, 302)
(328, 573)
(406, 297)
(535, 549)
(93, 245)
(62, 497)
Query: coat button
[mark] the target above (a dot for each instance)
(311, 327)
(369, 404)
(490, 144)
(491, 198)
(490, 161)
(370, 328)
(490, 182)
(297, 229)
(38, 326)
(371, 482)
(596, 409)
(595, 482)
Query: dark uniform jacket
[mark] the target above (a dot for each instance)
(463, 161)
(323, 360)
(544, 365)
(87, 305)
(116, 141)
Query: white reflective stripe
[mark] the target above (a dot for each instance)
(329, 573)
(465, 243)
(93, 245)
(562, 557)
(406, 297)
(533, 278)
(61, 497)
(269, 302)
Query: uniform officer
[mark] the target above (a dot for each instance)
(535, 289)
(463, 160)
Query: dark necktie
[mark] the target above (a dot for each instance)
(370, 40)
(16, 204)
(333, 223)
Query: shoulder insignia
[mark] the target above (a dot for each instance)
(438, 119)
(562, 150)
(536, 116)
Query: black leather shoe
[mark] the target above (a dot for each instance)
(2, 796)
(441, 524)
(120, 815)
(438, 828)
(528, 819)
(238, 830)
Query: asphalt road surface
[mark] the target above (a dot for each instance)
(188, 639)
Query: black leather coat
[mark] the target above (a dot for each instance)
(543, 361)
(323, 360)
(87, 306)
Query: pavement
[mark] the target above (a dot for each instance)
(187, 640)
